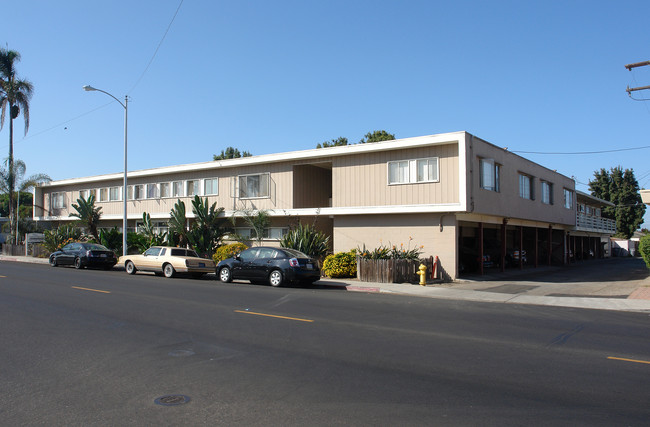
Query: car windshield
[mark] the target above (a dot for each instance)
(295, 253)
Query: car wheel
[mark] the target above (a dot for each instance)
(130, 267)
(168, 270)
(53, 261)
(276, 278)
(224, 275)
(77, 263)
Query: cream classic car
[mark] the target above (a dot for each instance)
(168, 261)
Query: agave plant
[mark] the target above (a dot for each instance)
(306, 239)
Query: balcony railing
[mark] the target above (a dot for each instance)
(595, 223)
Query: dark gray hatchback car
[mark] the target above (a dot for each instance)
(273, 265)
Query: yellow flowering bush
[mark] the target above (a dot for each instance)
(228, 251)
(341, 264)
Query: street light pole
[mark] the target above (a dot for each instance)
(124, 105)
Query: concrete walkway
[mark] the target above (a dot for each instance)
(611, 284)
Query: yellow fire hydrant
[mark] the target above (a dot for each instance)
(422, 271)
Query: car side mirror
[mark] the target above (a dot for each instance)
(238, 257)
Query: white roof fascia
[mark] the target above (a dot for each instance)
(353, 210)
(315, 153)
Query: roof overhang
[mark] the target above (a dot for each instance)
(306, 155)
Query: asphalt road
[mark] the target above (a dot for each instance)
(97, 348)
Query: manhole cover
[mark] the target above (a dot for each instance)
(172, 400)
(181, 353)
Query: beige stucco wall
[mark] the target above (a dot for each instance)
(362, 179)
(507, 202)
(352, 232)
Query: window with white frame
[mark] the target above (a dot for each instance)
(526, 186)
(598, 212)
(114, 194)
(547, 193)
(398, 172)
(136, 192)
(103, 194)
(152, 191)
(85, 194)
(165, 190)
(192, 188)
(413, 171)
(57, 200)
(254, 186)
(489, 175)
(211, 187)
(272, 233)
(177, 189)
(568, 199)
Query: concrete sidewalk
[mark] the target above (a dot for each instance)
(611, 284)
(621, 284)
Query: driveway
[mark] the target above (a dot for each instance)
(604, 278)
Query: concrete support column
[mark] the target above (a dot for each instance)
(550, 244)
(480, 248)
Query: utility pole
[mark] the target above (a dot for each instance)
(629, 67)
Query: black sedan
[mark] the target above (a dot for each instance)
(273, 265)
(84, 255)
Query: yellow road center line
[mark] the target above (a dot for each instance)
(88, 289)
(630, 360)
(4, 276)
(272, 315)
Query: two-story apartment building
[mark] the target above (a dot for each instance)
(460, 197)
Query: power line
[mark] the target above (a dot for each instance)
(581, 152)
(157, 48)
(104, 105)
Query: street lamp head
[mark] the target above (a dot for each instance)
(89, 88)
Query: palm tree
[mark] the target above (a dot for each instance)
(88, 214)
(15, 94)
(12, 177)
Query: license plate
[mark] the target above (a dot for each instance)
(310, 266)
(102, 255)
(201, 264)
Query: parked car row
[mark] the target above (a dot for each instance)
(275, 266)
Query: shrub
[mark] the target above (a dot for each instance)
(228, 251)
(341, 264)
(644, 248)
(61, 236)
(393, 252)
(306, 239)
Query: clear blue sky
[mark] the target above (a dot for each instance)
(280, 76)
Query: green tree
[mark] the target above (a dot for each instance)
(15, 94)
(148, 232)
(377, 136)
(88, 214)
(341, 140)
(621, 188)
(644, 248)
(231, 153)
(208, 227)
(15, 177)
(178, 225)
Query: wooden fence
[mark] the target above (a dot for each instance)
(35, 250)
(392, 270)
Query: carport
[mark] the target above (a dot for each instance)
(485, 246)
